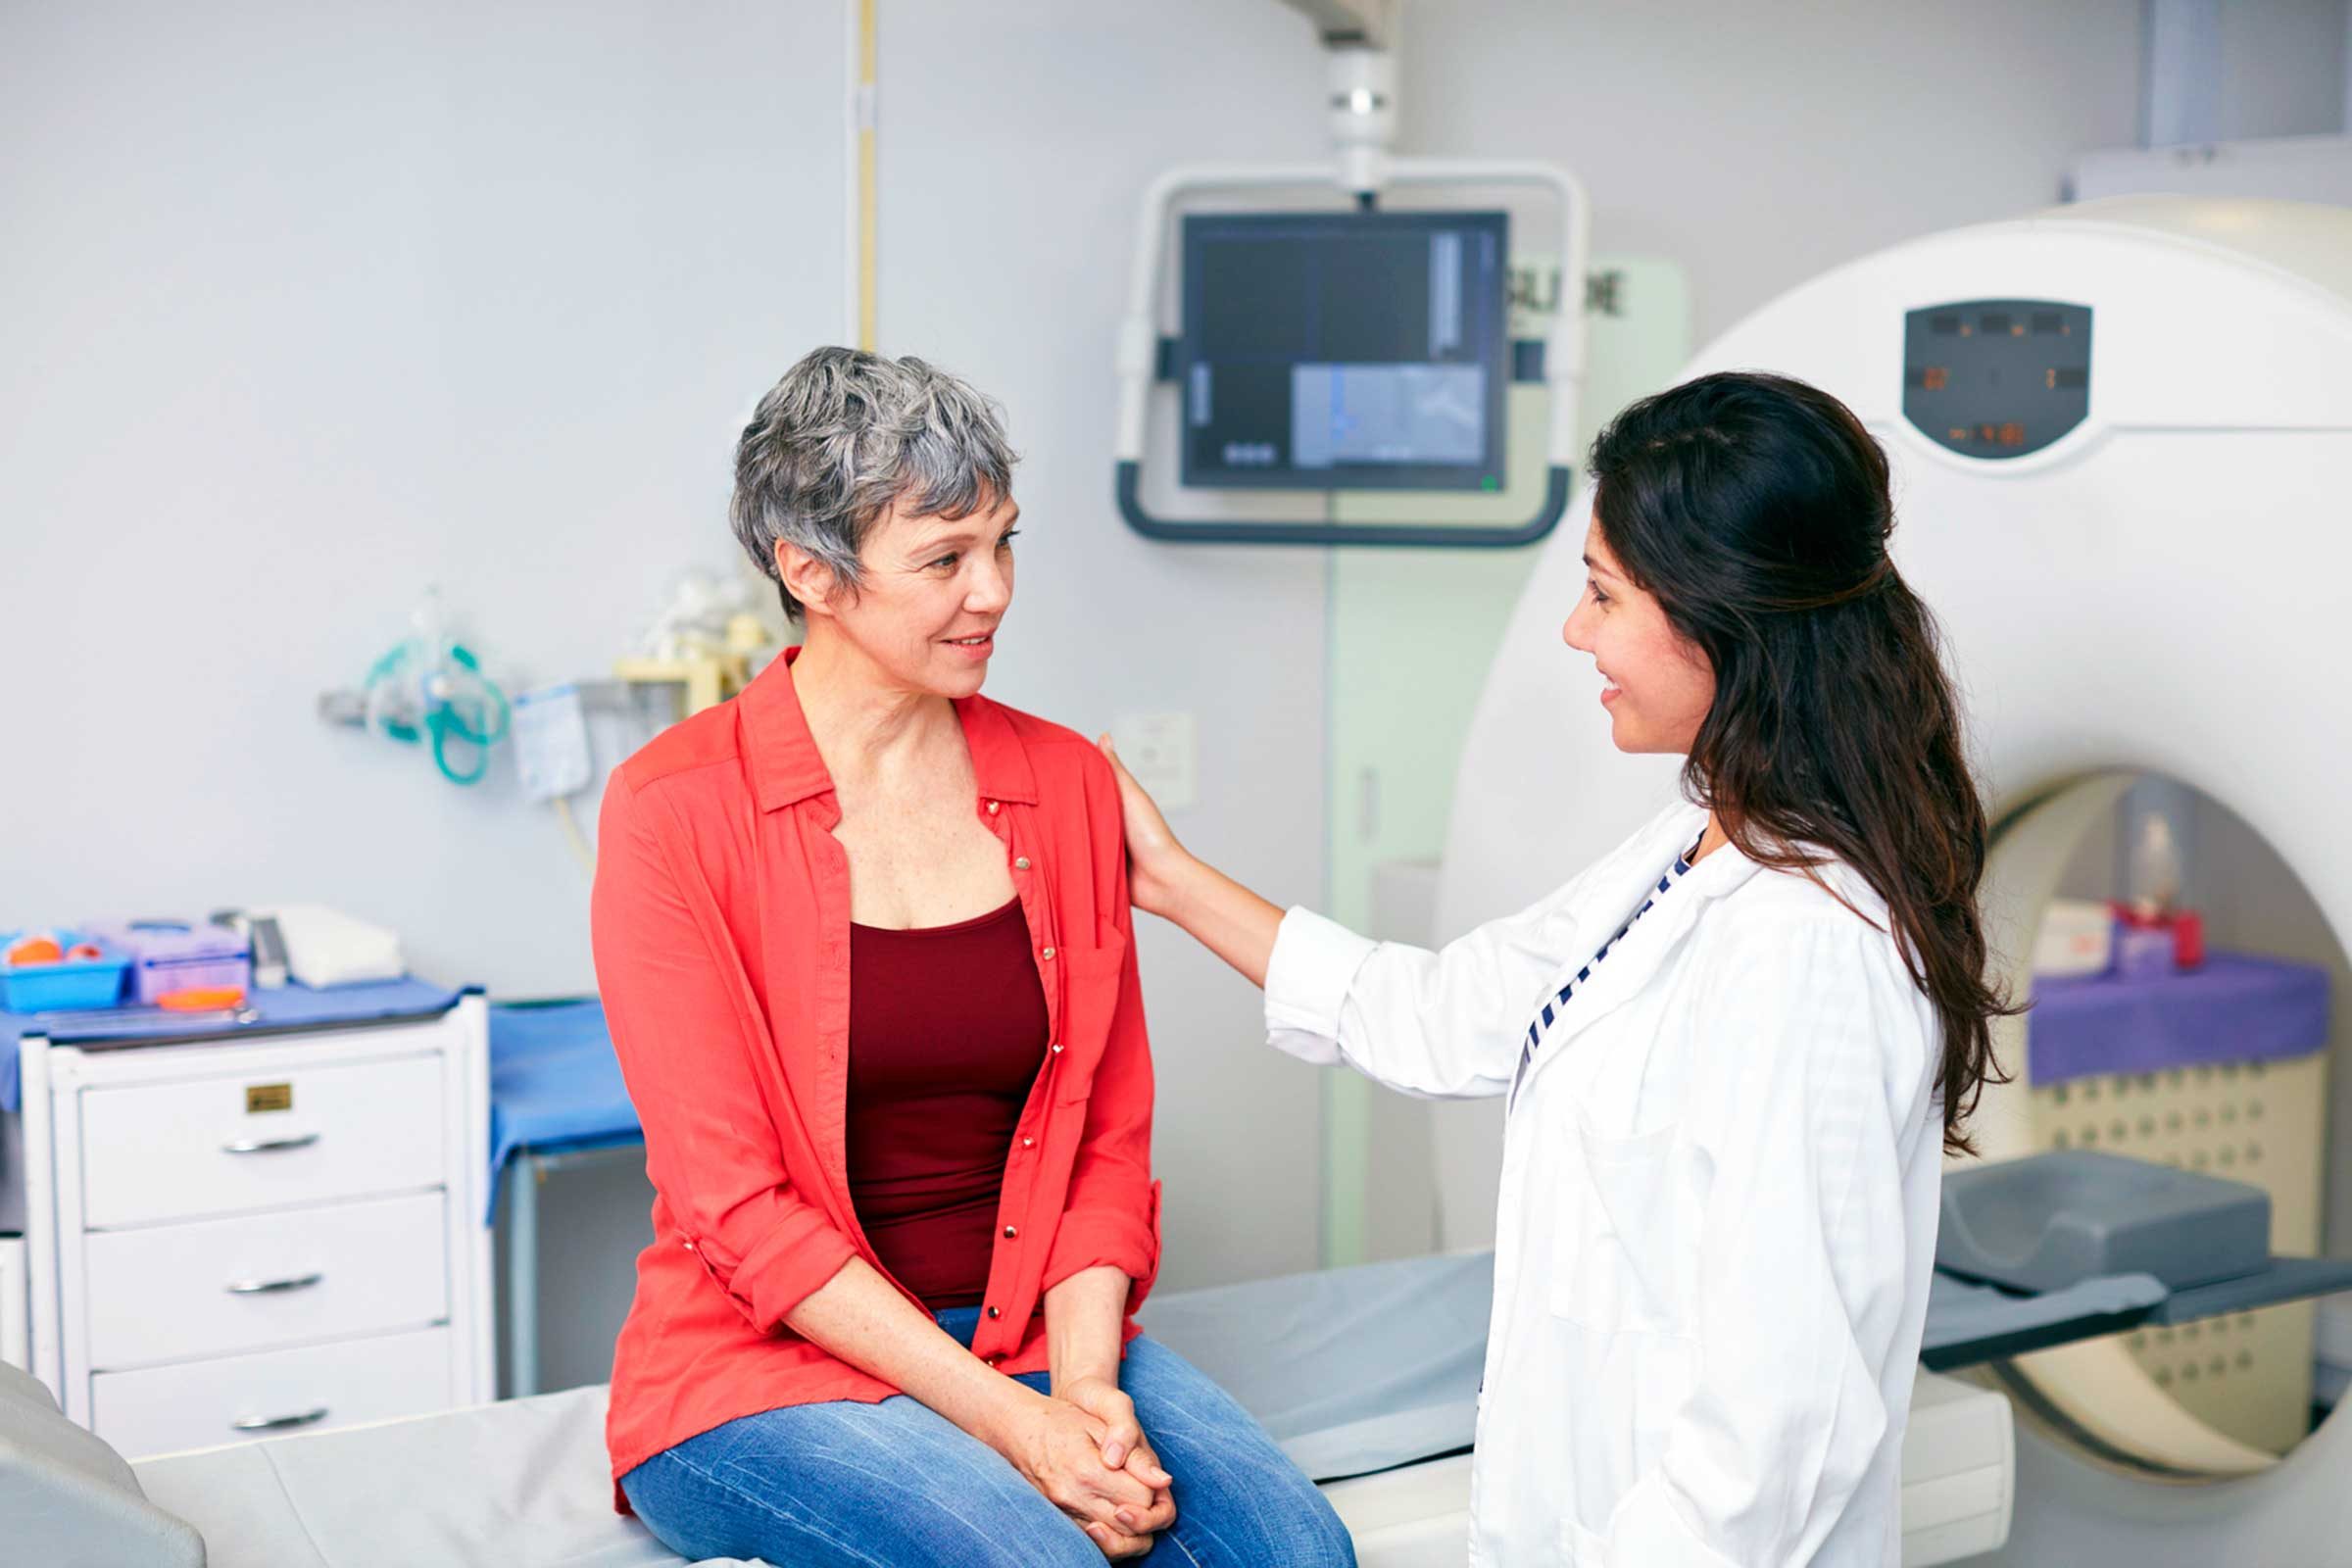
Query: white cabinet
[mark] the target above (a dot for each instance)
(265, 1233)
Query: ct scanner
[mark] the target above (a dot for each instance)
(2124, 497)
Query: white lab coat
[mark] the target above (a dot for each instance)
(1718, 1207)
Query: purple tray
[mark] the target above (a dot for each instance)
(168, 955)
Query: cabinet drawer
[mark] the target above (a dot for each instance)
(214, 1287)
(211, 1146)
(203, 1403)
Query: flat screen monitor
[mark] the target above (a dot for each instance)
(1344, 351)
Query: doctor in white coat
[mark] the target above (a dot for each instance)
(1736, 1049)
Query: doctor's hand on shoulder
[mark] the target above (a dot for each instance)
(1166, 879)
(1154, 858)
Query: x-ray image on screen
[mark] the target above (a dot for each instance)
(1345, 350)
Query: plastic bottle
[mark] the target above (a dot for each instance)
(2155, 870)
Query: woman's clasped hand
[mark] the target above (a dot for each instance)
(1083, 1450)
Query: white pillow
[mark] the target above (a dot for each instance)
(70, 1502)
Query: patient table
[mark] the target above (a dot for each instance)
(1368, 1377)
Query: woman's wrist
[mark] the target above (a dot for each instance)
(1084, 1325)
(999, 1419)
(1181, 881)
(1067, 1377)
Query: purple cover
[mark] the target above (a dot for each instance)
(164, 941)
(2237, 1008)
(168, 955)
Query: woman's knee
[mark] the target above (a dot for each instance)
(1286, 1528)
(1307, 1532)
(852, 1486)
(1250, 1504)
(1325, 1542)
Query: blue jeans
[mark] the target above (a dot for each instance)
(843, 1485)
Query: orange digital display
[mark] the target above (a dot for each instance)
(1996, 380)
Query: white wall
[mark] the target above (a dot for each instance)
(307, 307)
(1758, 144)
(2282, 69)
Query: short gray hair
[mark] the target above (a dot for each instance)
(846, 434)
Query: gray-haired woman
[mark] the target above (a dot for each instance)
(863, 938)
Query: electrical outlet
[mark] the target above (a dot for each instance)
(1161, 751)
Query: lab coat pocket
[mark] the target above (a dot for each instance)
(1579, 1548)
(1089, 1004)
(1612, 1266)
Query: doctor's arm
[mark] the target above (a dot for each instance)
(1802, 1256)
(1441, 1025)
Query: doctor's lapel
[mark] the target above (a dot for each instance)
(1634, 960)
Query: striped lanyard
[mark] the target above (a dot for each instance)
(1558, 1003)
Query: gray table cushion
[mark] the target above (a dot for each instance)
(1351, 1370)
(497, 1485)
(68, 1500)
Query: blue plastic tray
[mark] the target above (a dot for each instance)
(71, 986)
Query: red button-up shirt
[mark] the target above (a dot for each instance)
(722, 921)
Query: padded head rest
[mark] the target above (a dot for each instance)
(68, 1500)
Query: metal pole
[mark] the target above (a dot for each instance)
(523, 1278)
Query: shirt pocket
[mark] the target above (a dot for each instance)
(1614, 1248)
(1090, 1005)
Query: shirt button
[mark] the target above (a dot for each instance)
(1048, 952)
(1028, 1143)
(1010, 1231)
(991, 808)
(1021, 864)
(1057, 1048)
(993, 1312)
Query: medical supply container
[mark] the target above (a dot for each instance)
(168, 955)
(2076, 939)
(67, 984)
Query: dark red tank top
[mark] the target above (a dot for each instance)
(947, 1036)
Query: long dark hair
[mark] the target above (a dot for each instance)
(1755, 509)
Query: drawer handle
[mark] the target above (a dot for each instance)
(268, 1145)
(277, 1423)
(302, 1282)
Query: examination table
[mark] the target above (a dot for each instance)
(1368, 1377)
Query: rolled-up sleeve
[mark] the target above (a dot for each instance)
(1112, 1215)
(685, 1025)
(1804, 1255)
